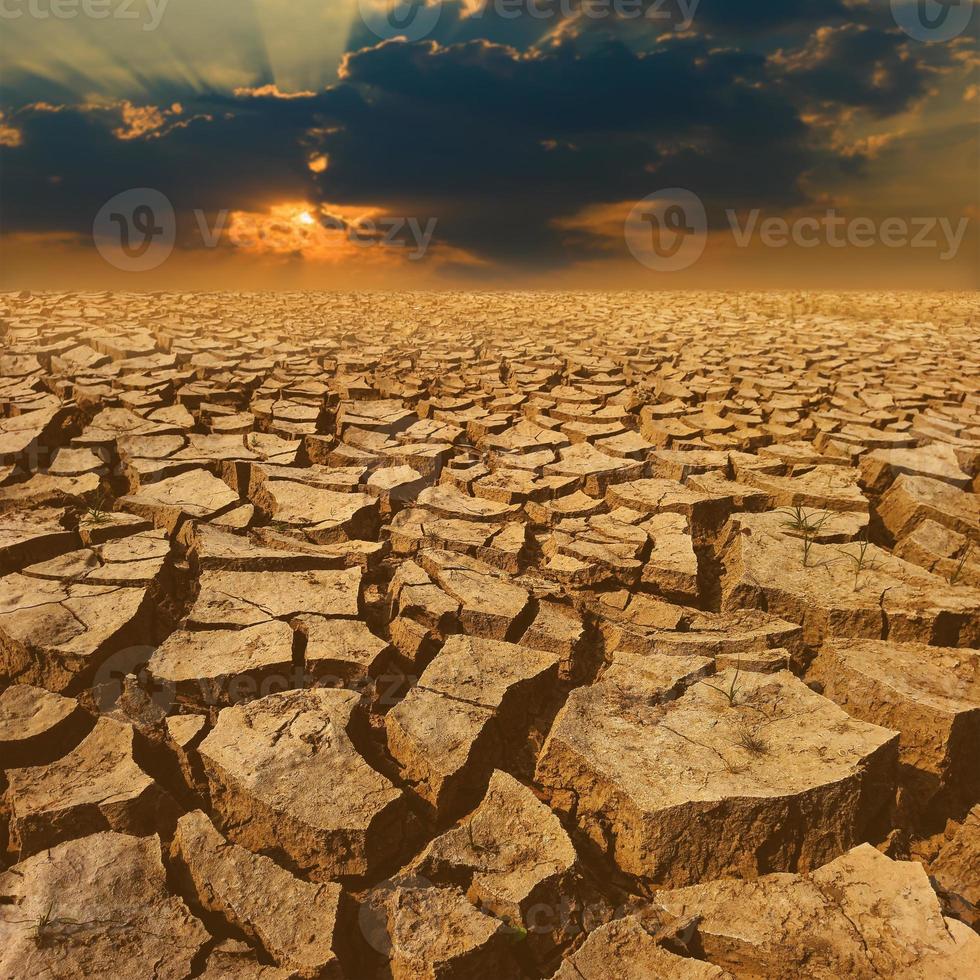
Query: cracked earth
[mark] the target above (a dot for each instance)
(489, 636)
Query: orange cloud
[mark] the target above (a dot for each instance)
(335, 235)
(270, 91)
(293, 229)
(9, 136)
(139, 120)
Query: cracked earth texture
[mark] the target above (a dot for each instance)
(489, 635)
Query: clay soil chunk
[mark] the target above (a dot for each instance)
(832, 488)
(118, 423)
(195, 494)
(221, 667)
(233, 600)
(414, 595)
(286, 779)
(268, 550)
(32, 536)
(428, 933)
(861, 915)
(741, 636)
(24, 435)
(234, 960)
(340, 650)
(930, 695)
(53, 631)
(37, 726)
(446, 501)
(134, 560)
(626, 949)
(475, 699)
(94, 907)
(97, 786)
(516, 856)
(830, 598)
(489, 604)
(324, 516)
(913, 499)
(293, 920)
(943, 552)
(957, 867)
(881, 467)
(593, 468)
(699, 786)
(706, 511)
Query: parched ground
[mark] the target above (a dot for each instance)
(489, 636)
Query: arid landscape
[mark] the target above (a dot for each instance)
(437, 636)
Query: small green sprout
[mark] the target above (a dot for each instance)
(807, 526)
(860, 561)
(957, 572)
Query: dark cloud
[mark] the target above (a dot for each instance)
(70, 163)
(857, 66)
(457, 25)
(767, 15)
(500, 144)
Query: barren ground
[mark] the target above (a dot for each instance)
(502, 635)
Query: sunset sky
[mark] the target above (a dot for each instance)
(300, 149)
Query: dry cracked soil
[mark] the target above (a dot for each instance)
(449, 636)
